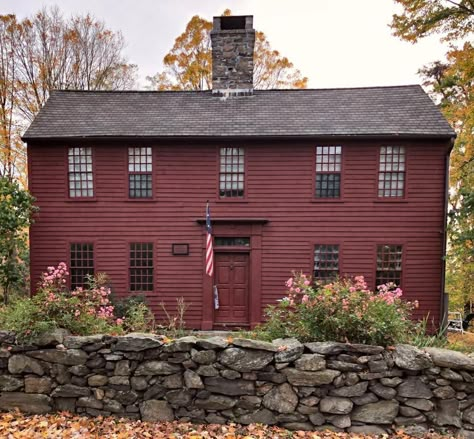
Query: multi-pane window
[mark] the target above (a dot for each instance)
(232, 173)
(391, 171)
(228, 241)
(328, 171)
(389, 264)
(81, 263)
(139, 172)
(326, 262)
(81, 181)
(141, 266)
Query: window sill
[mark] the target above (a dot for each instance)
(140, 200)
(396, 200)
(328, 200)
(225, 200)
(81, 200)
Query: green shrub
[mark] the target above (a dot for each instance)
(344, 310)
(23, 316)
(134, 314)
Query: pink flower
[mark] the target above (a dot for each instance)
(289, 282)
(307, 282)
(119, 321)
(77, 313)
(298, 290)
(305, 299)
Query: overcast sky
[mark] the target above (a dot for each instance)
(343, 43)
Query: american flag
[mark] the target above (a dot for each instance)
(209, 249)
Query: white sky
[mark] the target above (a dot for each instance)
(343, 43)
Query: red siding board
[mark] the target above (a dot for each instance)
(279, 185)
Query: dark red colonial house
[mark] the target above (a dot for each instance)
(333, 181)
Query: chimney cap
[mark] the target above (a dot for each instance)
(232, 23)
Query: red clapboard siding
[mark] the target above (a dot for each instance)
(279, 188)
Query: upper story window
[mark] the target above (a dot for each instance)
(81, 263)
(392, 171)
(389, 264)
(328, 171)
(326, 262)
(80, 175)
(232, 173)
(140, 172)
(141, 266)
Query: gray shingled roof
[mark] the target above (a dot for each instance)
(377, 111)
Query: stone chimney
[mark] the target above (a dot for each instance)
(233, 41)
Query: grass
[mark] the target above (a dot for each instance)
(461, 342)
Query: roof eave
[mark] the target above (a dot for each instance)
(382, 136)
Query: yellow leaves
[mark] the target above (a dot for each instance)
(230, 339)
(188, 65)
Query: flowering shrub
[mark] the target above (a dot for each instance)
(344, 310)
(83, 311)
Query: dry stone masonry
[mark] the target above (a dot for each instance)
(312, 386)
(233, 41)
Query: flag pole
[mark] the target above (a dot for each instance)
(209, 265)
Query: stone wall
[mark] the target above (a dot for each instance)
(217, 380)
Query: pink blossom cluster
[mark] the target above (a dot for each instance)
(348, 294)
(54, 276)
(389, 292)
(95, 301)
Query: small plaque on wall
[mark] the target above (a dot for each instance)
(180, 249)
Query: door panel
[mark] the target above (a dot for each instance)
(232, 278)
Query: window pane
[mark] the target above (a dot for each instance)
(231, 241)
(81, 263)
(392, 171)
(140, 168)
(328, 171)
(80, 172)
(328, 185)
(389, 264)
(326, 262)
(232, 173)
(141, 266)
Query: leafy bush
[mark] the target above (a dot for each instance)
(23, 316)
(16, 215)
(134, 314)
(344, 310)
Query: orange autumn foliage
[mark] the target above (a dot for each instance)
(66, 426)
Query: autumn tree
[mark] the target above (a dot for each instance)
(452, 19)
(12, 160)
(188, 65)
(46, 52)
(451, 84)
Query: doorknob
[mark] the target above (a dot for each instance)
(231, 266)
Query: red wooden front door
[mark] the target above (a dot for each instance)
(232, 280)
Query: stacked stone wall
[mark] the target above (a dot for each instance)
(312, 386)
